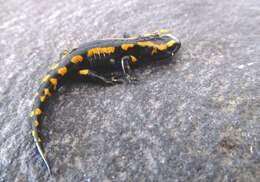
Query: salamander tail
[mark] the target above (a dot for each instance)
(42, 155)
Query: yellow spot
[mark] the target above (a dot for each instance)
(170, 43)
(160, 47)
(133, 59)
(37, 111)
(33, 133)
(54, 82)
(100, 50)
(47, 92)
(55, 66)
(164, 31)
(76, 59)
(36, 123)
(143, 44)
(45, 78)
(42, 98)
(62, 71)
(155, 47)
(32, 114)
(84, 72)
(127, 46)
(39, 139)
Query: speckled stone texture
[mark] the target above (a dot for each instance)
(195, 118)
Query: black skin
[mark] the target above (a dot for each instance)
(128, 73)
(124, 63)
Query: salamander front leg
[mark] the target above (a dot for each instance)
(92, 74)
(128, 72)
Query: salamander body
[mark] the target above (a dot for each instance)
(87, 60)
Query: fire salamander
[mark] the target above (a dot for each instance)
(118, 54)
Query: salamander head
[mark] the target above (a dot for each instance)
(173, 44)
(159, 45)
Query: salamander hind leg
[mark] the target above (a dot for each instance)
(94, 75)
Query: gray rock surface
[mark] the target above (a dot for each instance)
(196, 118)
